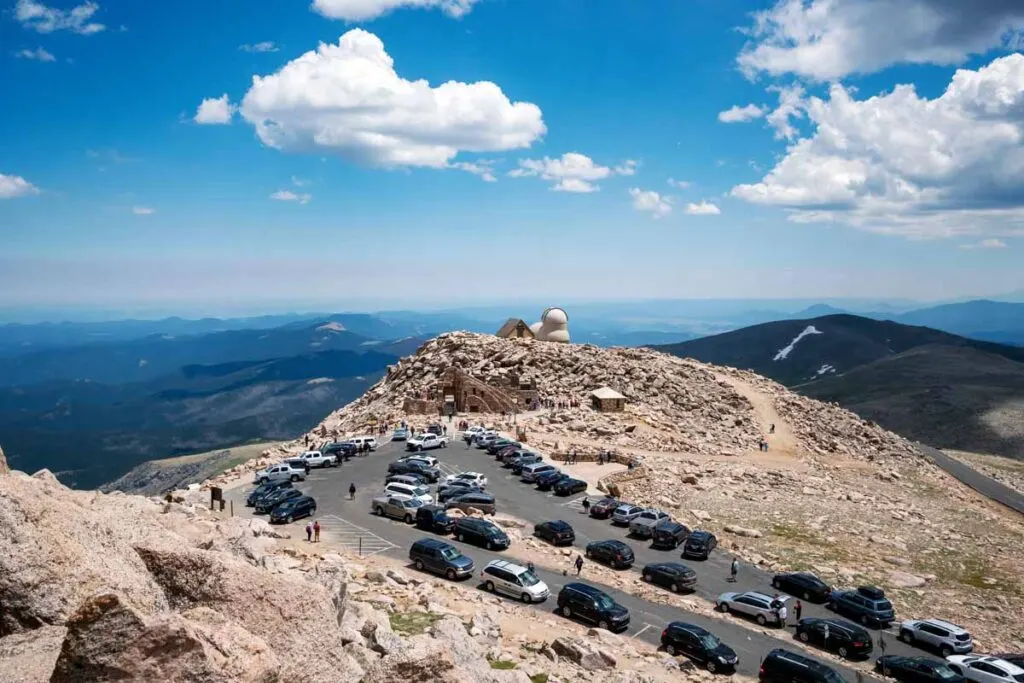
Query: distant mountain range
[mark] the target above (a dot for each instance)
(942, 389)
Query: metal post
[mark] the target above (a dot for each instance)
(360, 546)
(232, 508)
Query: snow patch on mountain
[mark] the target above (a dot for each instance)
(825, 368)
(785, 351)
(334, 327)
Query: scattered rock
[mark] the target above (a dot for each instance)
(742, 531)
(905, 580)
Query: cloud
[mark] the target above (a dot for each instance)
(990, 243)
(265, 46)
(482, 168)
(39, 54)
(902, 164)
(38, 17)
(649, 201)
(572, 172)
(300, 182)
(347, 99)
(289, 196)
(364, 10)
(215, 110)
(791, 105)
(830, 39)
(143, 210)
(681, 184)
(13, 186)
(704, 208)
(738, 114)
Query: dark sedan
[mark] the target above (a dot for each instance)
(603, 508)
(672, 575)
(803, 585)
(506, 451)
(292, 509)
(265, 489)
(569, 486)
(700, 645)
(495, 446)
(268, 502)
(615, 554)
(546, 480)
(455, 489)
(699, 544)
(431, 474)
(916, 670)
(835, 635)
(555, 532)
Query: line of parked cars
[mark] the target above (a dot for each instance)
(281, 500)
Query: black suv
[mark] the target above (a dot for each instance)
(481, 532)
(265, 489)
(668, 533)
(615, 554)
(867, 605)
(593, 605)
(291, 509)
(603, 508)
(434, 518)
(671, 575)
(783, 666)
(442, 558)
(835, 635)
(269, 501)
(916, 670)
(344, 450)
(546, 480)
(555, 532)
(429, 473)
(700, 645)
(498, 444)
(569, 486)
(699, 545)
(803, 585)
(455, 489)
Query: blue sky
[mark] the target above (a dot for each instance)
(717, 148)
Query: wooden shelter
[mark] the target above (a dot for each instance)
(515, 327)
(607, 400)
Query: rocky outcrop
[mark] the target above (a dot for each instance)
(3, 462)
(29, 657)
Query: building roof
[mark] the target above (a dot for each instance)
(606, 393)
(510, 326)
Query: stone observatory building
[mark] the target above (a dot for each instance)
(553, 326)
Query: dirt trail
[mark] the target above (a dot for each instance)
(782, 441)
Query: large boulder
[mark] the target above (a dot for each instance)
(4, 469)
(29, 657)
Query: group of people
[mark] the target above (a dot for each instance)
(313, 531)
(559, 404)
(777, 605)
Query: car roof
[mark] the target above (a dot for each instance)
(756, 594)
(1008, 667)
(558, 523)
(699, 534)
(944, 624)
(613, 541)
(508, 565)
(433, 543)
(692, 628)
(627, 506)
(584, 588)
(673, 565)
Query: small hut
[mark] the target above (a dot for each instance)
(514, 327)
(607, 400)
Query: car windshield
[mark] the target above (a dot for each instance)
(414, 503)
(604, 602)
(832, 677)
(529, 578)
(421, 490)
(450, 553)
(710, 641)
(945, 672)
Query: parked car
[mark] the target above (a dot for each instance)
(481, 532)
(917, 670)
(396, 507)
(699, 544)
(503, 576)
(319, 459)
(519, 459)
(498, 444)
(680, 638)
(475, 478)
(603, 508)
(292, 509)
(763, 608)
(642, 525)
(438, 557)
(507, 451)
(942, 636)
(297, 463)
(264, 489)
(367, 441)
(835, 635)
(410, 479)
(783, 666)
(484, 440)
(803, 585)
(281, 472)
(546, 481)
(426, 442)
(672, 575)
(625, 513)
(555, 532)
(668, 533)
(866, 604)
(343, 449)
(484, 502)
(405, 491)
(274, 498)
(590, 604)
(456, 489)
(983, 669)
(434, 518)
(421, 458)
(400, 434)
(568, 486)
(431, 474)
(481, 434)
(615, 554)
(533, 470)
(1011, 657)
(435, 429)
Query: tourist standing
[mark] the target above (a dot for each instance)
(316, 531)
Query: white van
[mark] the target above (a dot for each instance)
(514, 579)
(409, 492)
(535, 469)
(360, 440)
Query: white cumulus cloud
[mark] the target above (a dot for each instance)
(289, 196)
(791, 105)
(39, 17)
(830, 39)
(265, 46)
(215, 110)
(571, 172)
(364, 10)
(990, 243)
(143, 210)
(899, 163)
(738, 114)
(681, 184)
(649, 201)
(483, 168)
(703, 208)
(13, 186)
(39, 54)
(347, 99)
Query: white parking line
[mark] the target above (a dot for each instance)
(575, 503)
(646, 626)
(449, 469)
(355, 537)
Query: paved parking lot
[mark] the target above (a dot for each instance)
(350, 521)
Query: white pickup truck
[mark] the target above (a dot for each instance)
(318, 459)
(425, 442)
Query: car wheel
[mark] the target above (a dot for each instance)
(603, 625)
(723, 607)
(775, 584)
(489, 546)
(408, 519)
(462, 539)
(450, 574)
(567, 611)
(587, 552)
(864, 620)
(613, 564)
(761, 621)
(444, 444)
(844, 653)
(711, 666)
(418, 564)
(671, 649)
(379, 511)
(262, 481)
(290, 519)
(489, 586)
(945, 651)
(526, 598)
(804, 636)
(647, 577)
(676, 588)
(295, 478)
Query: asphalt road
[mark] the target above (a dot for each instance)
(986, 486)
(355, 523)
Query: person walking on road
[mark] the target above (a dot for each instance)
(586, 506)
(579, 564)
(309, 532)
(316, 531)
(797, 609)
(352, 491)
(734, 569)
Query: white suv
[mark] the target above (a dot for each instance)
(281, 472)
(985, 669)
(408, 492)
(941, 635)
(514, 579)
